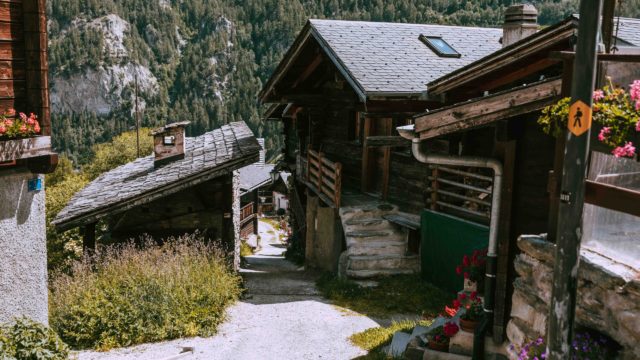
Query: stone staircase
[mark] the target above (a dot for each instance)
(375, 246)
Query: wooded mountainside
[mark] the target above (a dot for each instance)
(205, 60)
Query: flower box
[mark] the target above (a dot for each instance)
(18, 149)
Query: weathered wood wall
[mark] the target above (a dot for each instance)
(23, 59)
(201, 208)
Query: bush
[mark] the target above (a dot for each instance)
(127, 295)
(26, 340)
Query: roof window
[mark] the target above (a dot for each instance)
(439, 46)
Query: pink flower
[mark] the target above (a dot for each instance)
(604, 133)
(11, 112)
(598, 95)
(638, 105)
(634, 91)
(23, 116)
(23, 128)
(628, 150)
(638, 126)
(36, 128)
(2, 129)
(8, 122)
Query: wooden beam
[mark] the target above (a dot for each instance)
(613, 197)
(308, 71)
(392, 141)
(518, 74)
(608, 14)
(488, 109)
(630, 57)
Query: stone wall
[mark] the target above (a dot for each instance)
(236, 218)
(608, 296)
(23, 251)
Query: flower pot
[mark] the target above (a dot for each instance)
(438, 346)
(468, 325)
(470, 285)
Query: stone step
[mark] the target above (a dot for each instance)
(366, 274)
(370, 234)
(366, 211)
(353, 225)
(399, 250)
(379, 262)
(376, 242)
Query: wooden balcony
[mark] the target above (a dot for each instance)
(247, 213)
(324, 177)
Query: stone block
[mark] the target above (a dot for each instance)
(399, 344)
(538, 247)
(521, 309)
(439, 355)
(462, 344)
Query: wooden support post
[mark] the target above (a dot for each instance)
(434, 189)
(89, 239)
(338, 185)
(569, 233)
(256, 203)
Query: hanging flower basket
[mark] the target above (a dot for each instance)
(616, 118)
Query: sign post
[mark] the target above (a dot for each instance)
(569, 233)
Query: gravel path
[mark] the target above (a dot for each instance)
(282, 317)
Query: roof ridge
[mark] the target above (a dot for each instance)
(312, 20)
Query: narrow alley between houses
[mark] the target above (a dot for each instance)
(281, 316)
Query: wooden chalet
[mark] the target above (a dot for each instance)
(340, 92)
(489, 109)
(188, 185)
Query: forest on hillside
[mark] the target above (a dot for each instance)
(205, 60)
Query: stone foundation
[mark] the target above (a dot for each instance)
(608, 296)
(23, 249)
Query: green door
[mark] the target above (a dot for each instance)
(445, 240)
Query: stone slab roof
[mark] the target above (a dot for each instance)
(254, 176)
(390, 57)
(629, 30)
(211, 155)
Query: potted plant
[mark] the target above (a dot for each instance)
(616, 113)
(472, 269)
(440, 336)
(472, 305)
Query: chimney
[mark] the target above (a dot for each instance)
(520, 21)
(168, 143)
(263, 152)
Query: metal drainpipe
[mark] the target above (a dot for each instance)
(492, 253)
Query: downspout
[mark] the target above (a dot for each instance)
(492, 254)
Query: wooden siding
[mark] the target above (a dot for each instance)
(23, 59)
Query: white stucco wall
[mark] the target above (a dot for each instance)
(23, 252)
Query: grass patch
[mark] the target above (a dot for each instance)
(129, 295)
(402, 294)
(273, 222)
(374, 339)
(245, 249)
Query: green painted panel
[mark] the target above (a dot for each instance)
(445, 240)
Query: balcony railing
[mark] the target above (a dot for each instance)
(247, 212)
(324, 177)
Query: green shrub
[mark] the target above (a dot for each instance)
(128, 295)
(245, 249)
(28, 340)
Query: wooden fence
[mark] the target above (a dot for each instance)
(324, 177)
(462, 192)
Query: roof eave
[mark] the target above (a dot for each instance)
(479, 67)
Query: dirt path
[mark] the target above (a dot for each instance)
(281, 317)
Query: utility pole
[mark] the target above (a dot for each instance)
(569, 233)
(137, 118)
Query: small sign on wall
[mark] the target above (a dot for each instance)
(35, 184)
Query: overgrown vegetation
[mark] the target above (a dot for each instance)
(402, 294)
(295, 250)
(128, 295)
(62, 248)
(374, 339)
(245, 249)
(28, 340)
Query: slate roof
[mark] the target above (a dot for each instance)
(629, 30)
(254, 176)
(389, 59)
(208, 156)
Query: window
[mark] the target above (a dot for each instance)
(439, 46)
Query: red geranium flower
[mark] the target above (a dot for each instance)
(458, 270)
(450, 329)
(465, 260)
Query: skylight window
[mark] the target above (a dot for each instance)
(439, 46)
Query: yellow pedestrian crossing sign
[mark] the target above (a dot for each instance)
(580, 116)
